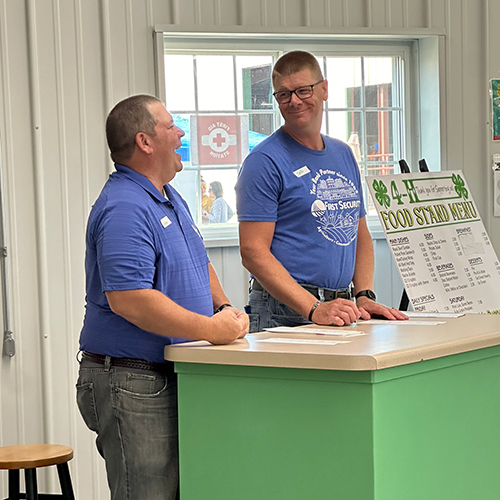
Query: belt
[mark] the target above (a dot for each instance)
(323, 294)
(128, 362)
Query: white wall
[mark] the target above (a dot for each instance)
(64, 63)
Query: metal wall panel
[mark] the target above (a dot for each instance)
(64, 64)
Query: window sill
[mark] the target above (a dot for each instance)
(220, 235)
(226, 235)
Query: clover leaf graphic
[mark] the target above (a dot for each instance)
(460, 186)
(381, 193)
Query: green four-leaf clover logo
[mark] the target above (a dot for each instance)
(381, 193)
(460, 186)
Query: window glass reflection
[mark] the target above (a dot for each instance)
(215, 83)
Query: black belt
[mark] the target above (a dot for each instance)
(324, 294)
(128, 362)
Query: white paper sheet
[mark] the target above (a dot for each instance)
(407, 322)
(279, 340)
(316, 331)
(417, 314)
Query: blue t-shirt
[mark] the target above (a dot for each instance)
(315, 199)
(137, 239)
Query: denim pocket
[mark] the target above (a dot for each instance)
(86, 403)
(254, 322)
(141, 385)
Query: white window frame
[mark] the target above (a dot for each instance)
(320, 45)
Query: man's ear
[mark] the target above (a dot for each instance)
(143, 142)
(325, 96)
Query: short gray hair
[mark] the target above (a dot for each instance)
(295, 61)
(125, 120)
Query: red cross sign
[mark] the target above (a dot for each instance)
(218, 140)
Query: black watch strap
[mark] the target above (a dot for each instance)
(221, 307)
(366, 293)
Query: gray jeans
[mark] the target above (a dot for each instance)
(265, 311)
(134, 413)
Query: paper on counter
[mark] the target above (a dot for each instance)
(407, 322)
(315, 331)
(278, 340)
(418, 314)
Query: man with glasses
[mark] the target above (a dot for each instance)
(303, 231)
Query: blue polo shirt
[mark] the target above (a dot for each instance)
(138, 239)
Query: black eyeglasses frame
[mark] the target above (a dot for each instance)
(290, 92)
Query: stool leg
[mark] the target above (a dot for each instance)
(65, 481)
(31, 486)
(14, 484)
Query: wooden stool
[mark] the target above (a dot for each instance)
(29, 457)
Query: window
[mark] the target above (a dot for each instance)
(220, 94)
(223, 119)
(365, 110)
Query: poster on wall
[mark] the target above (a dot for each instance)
(438, 242)
(495, 108)
(219, 140)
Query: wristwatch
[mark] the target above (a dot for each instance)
(366, 293)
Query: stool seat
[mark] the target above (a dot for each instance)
(31, 456)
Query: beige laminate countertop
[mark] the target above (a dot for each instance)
(382, 346)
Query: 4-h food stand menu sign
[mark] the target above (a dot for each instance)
(438, 241)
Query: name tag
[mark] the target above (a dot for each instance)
(302, 171)
(165, 222)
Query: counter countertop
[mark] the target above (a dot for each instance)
(382, 345)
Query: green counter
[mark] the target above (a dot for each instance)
(422, 430)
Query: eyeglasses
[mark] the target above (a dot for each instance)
(285, 96)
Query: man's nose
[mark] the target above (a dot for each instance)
(294, 98)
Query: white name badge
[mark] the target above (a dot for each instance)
(165, 222)
(302, 171)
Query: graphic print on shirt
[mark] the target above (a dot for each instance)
(336, 207)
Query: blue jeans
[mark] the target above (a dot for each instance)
(134, 413)
(265, 311)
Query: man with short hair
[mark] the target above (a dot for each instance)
(303, 232)
(149, 284)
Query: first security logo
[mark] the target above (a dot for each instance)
(336, 207)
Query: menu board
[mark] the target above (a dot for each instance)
(438, 241)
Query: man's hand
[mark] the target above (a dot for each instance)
(369, 308)
(228, 325)
(337, 312)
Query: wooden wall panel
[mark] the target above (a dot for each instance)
(476, 164)
(189, 12)
(253, 14)
(438, 13)
(418, 13)
(396, 13)
(275, 12)
(356, 15)
(492, 62)
(230, 13)
(88, 54)
(294, 12)
(378, 13)
(336, 13)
